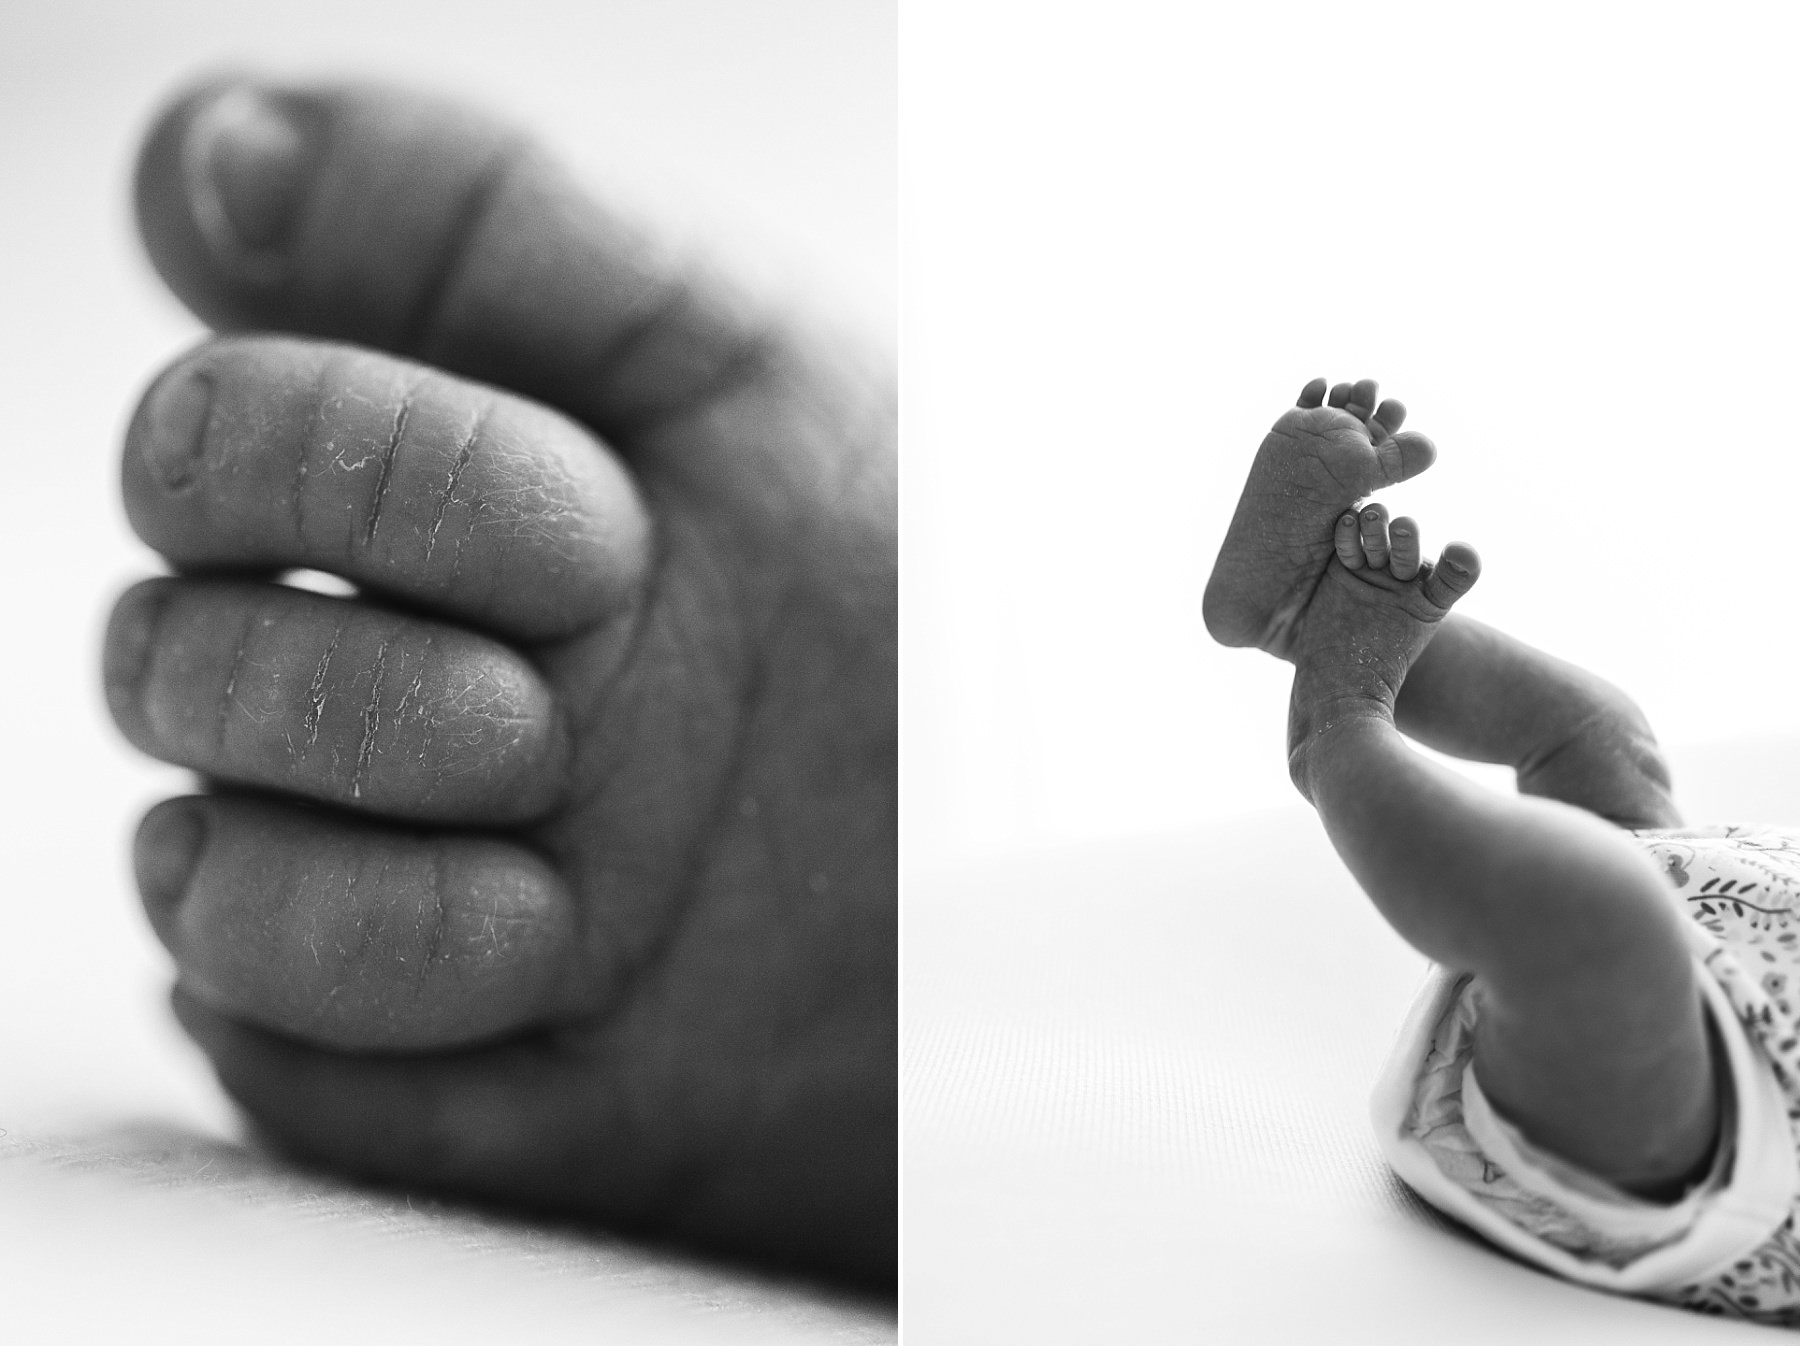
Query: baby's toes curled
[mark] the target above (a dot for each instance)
(352, 935)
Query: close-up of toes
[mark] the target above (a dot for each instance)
(493, 572)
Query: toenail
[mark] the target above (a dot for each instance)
(168, 847)
(128, 641)
(247, 162)
(177, 415)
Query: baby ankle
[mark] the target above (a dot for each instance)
(1315, 726)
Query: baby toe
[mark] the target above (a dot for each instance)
(1364, 394)
(269, 453)
(1390, 416)
(1455, 573)
(1403, 549)
(339, 701)
(1373, 533)
(1346, 541)
(352, 935)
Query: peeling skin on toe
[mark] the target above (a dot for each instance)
(463, 453)
(266, 686)
(316, 693)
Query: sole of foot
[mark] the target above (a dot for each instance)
(1325, 454)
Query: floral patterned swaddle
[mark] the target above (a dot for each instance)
(1729, 1246)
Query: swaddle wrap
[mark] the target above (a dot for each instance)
(1727, 1246)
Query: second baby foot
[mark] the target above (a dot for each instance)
(1323, 456)
(1375, 609)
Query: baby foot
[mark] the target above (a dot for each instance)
(1323, 456)
(557, 865)
(1375, 609)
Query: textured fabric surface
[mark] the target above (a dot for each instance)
(154, 1233)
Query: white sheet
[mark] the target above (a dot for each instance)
(147, 1232)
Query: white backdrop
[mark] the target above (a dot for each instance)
(1564, 234)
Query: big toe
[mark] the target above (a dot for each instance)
(416, 226)
(1457, 569)
(1405, 455)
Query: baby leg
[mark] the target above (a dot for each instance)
(1592, 1038)
(1475, 692)
(1480, 694)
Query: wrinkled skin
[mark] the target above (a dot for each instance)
(557, 864)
